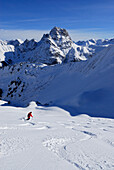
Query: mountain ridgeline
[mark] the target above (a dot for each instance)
(53, 48)
(56, 71)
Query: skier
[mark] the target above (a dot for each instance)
(29, 115)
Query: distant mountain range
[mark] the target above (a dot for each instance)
(77, 76)
(54, 48)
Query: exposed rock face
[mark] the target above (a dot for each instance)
(59, 47)
(27, 46)
(61, 37)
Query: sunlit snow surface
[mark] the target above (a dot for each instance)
(53, 140)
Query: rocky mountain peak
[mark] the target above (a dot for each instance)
(56, 33)
(15, 43)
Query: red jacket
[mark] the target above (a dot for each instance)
(30, 115)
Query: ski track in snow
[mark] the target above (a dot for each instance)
(60, 146)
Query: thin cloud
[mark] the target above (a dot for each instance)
(90, 33)
(21, 34)
(35, 19)
(78, 34)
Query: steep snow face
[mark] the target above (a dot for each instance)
(99, 62)
(47, 51)
(5, 48)
(79, 87)
(85, 87)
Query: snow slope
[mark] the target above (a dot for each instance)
(54, 140)
(91, 91)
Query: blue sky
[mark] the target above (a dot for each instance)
(82, 18)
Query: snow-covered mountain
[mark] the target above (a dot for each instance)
(95, 46)
(55, 47)
(79, 87)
